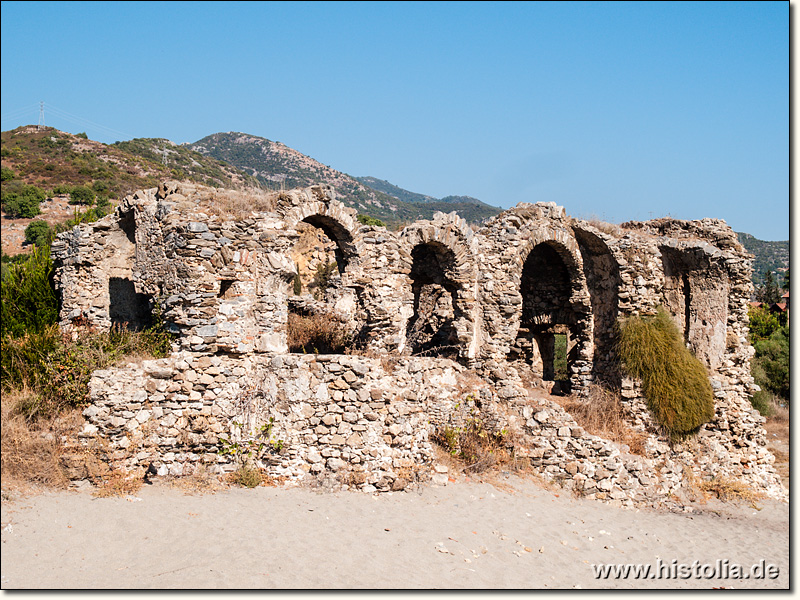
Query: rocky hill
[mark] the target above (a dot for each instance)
(471, 209)
(277, 167)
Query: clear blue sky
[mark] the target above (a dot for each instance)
(620, 111)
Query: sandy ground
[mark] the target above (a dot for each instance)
(465, 535)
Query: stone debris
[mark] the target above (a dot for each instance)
(451, 324)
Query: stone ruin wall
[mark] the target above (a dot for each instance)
(490, 300)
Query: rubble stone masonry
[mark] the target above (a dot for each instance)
(452, 324)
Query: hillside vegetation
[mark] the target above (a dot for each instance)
(768, 256)
(277, 167)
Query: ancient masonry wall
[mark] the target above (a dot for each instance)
(492, 300)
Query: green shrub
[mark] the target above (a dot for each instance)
(764, 402)
(763, 323)
(57, 370)
(38, 233)
(770, 366)
(22, 200)
(674, 381)
(81, 194)
(372, 221)
(6, 174)
(29, 302)
(62, 188)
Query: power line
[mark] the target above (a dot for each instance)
(41, 116)
(18, 113)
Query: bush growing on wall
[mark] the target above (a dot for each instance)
(675, 383)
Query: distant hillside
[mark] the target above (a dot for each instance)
(277, 166)
(768, 256)
(384, 186)
(471, 209)
(184, 163)
(48, 157)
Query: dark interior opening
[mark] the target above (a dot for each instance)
(431, 330)
(127, 222)
(541, 347)
(127, 308)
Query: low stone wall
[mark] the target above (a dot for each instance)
(367, 423)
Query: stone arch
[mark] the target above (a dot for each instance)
(550, 333)
(511, 237)
(343, 298)
(601, 268)
(443, 278)
(339, 222)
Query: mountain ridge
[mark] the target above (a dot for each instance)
(278, 166)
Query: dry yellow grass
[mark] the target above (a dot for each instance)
(601, 414)
(31, 449)
(117, 483)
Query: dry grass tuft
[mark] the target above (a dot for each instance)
(118, 484)
(201, 481)
(609, 228)
(728, 490)
(241, 205)
(31, 449)
(317, 334)
(474, 448)
(246, 476)
(602, 414)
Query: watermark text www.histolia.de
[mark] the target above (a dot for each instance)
(721, 569)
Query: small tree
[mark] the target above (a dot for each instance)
(762, 324)
(6, 174)
(81, 194)
(367, 220)
(22, 200)
(38, 233)
(769, 292)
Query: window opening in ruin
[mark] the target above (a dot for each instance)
(541, 348)
(431, 331)
(127, 222)
(127, 308)
(317, 322)
(225, 286)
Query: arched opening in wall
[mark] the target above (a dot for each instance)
(127, 308)
(431, 330)
(322, 309)
(545, 343)
(603, 281)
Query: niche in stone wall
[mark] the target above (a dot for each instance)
(696, 291)
(127, 308)
(603, 281)
(546, 337)
(321, 306)
(431, 330)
